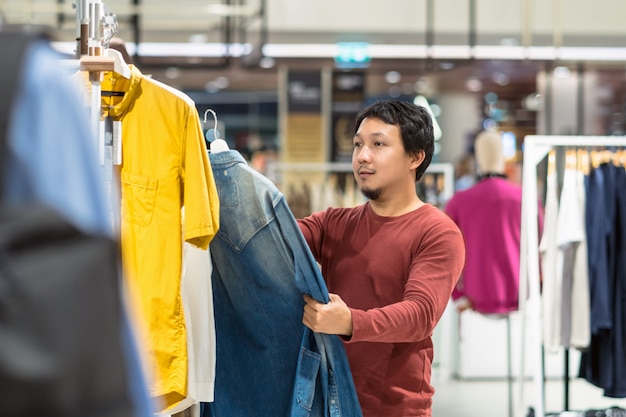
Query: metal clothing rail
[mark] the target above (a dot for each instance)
(536, 147)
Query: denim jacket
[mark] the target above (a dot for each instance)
(267, 362)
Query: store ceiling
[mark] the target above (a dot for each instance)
(415, 76)
(204, 20)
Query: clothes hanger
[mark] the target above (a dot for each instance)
(120, 66)
(109, 27)
(213, 135)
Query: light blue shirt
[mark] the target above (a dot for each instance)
(51, 153)
(51, 158)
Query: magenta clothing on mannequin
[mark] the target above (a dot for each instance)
(489, 215)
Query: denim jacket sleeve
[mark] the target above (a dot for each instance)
(323, 384)
(308, 276)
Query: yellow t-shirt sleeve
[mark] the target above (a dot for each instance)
(200, 200)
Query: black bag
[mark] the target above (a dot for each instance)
(61, 312)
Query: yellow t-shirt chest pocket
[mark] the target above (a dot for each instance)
(138, 198)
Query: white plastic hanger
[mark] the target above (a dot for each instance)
(217, 144)
(120, 66)
(109, 27)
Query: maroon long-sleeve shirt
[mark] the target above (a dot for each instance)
(396, 274)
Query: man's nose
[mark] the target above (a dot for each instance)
(364, 154)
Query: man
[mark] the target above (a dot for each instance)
(390, 264)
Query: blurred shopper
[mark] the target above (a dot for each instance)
(465, 173)
(390, 264)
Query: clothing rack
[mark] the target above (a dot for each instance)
(536, 147)
(274, 168)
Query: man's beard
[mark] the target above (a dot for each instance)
(371, 194)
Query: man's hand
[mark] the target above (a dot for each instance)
(332, 318)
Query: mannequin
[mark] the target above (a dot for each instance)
(489, 215)
(489, 154)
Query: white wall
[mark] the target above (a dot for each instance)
(346, 15)
(561, 96)
(598, 17)
(460, 117)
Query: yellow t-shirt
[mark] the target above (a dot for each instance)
(165, 166)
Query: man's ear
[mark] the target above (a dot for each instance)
(417, 158)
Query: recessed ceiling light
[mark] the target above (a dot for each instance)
(198, 38)
(422, 85)
(267, 62)
(222, 82)
(211, 87)
(473, 84)
(392, 77)
(500, 78)
(561, 72)
(172, 73)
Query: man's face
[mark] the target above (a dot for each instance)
(379, 161)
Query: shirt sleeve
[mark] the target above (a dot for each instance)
(451, 210)
(308, 276)
(434, 272)
(200, 193)
(312, 230)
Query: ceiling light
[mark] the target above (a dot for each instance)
(211, 87)
(445, 52)
(500, 78)
(532, 102)
(198, 38)
(222, 82)
(473, 84)
(491, 97)
(172, 73)
(422, 85)
(490, 124)
(392, 77)
(509, 42)
(561, 72)
(229, 10)
(267, 62)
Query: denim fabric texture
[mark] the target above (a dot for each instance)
(267, 362)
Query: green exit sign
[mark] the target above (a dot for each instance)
(352, 55)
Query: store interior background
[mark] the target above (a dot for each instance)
(555, 67)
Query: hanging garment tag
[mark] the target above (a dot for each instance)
(117, 142)
(108, 148)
